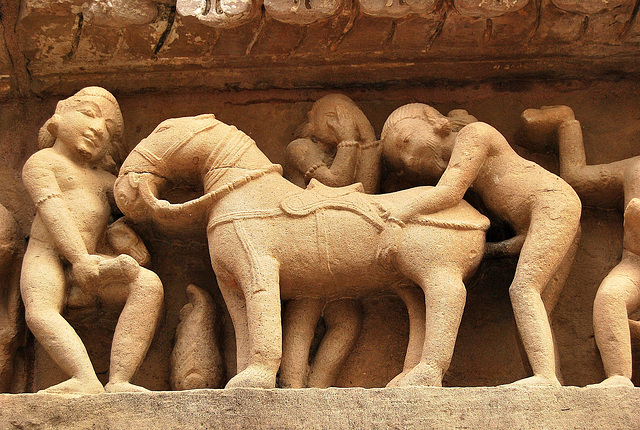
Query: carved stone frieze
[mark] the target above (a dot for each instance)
(396, 8)
(218, 13)
(302, 12)
(488, 8)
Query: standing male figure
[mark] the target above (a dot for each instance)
(72, 188)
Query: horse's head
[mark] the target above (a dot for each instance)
(136, 194)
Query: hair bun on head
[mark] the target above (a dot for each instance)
(45, 138)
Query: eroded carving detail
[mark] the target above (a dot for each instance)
(302, 12)
(120, 13)
(219, 13)
(395, 8)
(588, 7)
(196, 361)
(488, 8)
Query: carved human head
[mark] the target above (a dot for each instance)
(325, 108)
(417, 138)
(91, 122)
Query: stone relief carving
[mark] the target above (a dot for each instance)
(219, 13)
(588, 7)
(543, 209)
(120, 13)
(12, 326)
(302, 12)
(71, 183)
(95, 261)
(396, 8)
(336, 146)
(196, 361)
(488, 9)
(601, 185)
(247, 225)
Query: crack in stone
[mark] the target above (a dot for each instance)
(76, 36)
(165, 33)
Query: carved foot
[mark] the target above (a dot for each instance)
(124, 387)
(536, 381)
(253, 377)
(395, 382)
(613, 381)
(540, 125)
(422, 375)
(75, 386)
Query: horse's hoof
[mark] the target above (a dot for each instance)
(253, 377)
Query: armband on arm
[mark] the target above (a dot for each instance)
(309, 173)
(47, 197)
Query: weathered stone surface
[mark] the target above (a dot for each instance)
(588, 6)
(221, 13)
(490, 8)
(120, 13)
(315, 43)
(395, 8)
(302, 12)
(450, 408)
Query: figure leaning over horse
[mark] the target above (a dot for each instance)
(271, 241)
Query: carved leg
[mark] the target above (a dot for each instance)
(43, 289)
(344, 322)
(413, 298)
(261, 288)
(300, 318)
(445, 296)
(543, 252)
(551, 293)
(618, 295)
(236, 306)
(135, 330)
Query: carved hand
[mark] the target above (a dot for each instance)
(86, 271)
(343, 125)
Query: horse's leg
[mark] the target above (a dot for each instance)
(344, 322)
(300, 318)
(262, 295)
(445, 296)
(413, 299)
(237, 309)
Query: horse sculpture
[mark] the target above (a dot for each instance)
(271, 241)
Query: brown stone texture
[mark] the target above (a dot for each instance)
(238, 44)
(451, 408)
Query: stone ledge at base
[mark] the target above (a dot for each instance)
(490, 407)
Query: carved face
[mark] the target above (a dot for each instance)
(82, 128)
(318, 118)
(413, 146)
